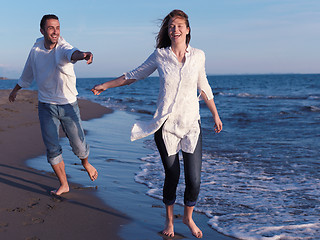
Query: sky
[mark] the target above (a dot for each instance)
(237, 36)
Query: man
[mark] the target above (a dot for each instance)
(50, 64)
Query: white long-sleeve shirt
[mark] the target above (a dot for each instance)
(178, 100)
(53, 71)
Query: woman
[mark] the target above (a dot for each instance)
(176, 122)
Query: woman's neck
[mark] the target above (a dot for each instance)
(179, 51)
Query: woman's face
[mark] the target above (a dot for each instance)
(177, 30)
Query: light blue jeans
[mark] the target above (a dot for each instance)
(51, 116)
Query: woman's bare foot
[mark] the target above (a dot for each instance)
(92, 172)
(193, 227)
(168, 231)
(60, 190)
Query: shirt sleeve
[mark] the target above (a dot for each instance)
(66, 49)
(26, 77)
(203, 84)
(144, 70)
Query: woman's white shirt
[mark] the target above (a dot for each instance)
(178, 100)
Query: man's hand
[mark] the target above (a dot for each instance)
(13, 94)
(88, 56)
(78, 55)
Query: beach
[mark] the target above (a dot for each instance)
(27, 210)
(255, 180)
(121, 210)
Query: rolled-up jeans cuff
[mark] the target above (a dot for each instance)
(168, 202)
(190, 204)
(84, 155)
(55, 160)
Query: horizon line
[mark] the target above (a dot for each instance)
(214, 74)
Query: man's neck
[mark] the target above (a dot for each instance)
(49, 45)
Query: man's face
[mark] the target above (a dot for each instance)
(51, 31)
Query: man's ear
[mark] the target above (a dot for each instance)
(42, 31)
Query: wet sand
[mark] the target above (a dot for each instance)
(27, 210)
(90, 209)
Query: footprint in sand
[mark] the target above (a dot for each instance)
(37, 220)
(17, 209)
(32, 238)
(85, 188)
(34, 220)
(57, 199)
(51, 207)
(3, 226)
(34, 202)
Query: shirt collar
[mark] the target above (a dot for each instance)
(187, 50)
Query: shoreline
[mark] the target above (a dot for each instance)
(27, 210)
(91, 209)
(116, 184)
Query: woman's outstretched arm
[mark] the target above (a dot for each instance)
(117, 82)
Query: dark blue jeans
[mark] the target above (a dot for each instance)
(192, 171)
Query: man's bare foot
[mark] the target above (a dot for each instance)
(193, 227)
(92, 172)
(168, 231)
(60, 190)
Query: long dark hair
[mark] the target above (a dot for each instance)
(163, 39)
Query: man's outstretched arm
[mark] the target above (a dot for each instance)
(78, 55)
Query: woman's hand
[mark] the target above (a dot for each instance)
(97, 89)
(117, 82)
(217, 125)
(213, 109)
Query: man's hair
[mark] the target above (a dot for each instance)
(45, 18)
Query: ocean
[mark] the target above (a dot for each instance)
(260, 175)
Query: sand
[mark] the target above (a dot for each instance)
(27, 210)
